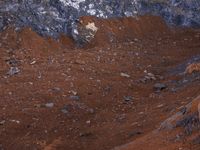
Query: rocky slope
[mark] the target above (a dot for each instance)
(182, 126)
(56, 97)
(133, 73)
(52, 17)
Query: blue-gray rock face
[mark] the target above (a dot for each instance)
(52, 17)
(175, 12)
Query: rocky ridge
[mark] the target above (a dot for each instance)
(52, 17)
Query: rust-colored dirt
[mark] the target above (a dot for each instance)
(97, 97)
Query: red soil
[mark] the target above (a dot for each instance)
(53, 70)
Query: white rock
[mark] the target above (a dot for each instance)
(125, 75)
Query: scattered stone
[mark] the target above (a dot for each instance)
(85, 134)
(135, 123)
(160, 77)
(16, 121)
(107, 90)
(128, 98)
(80, 62)
(141, 113)
(2, 122)
(120, 117)
(160, 106)
(49, 105)
(159, 86)
(74, 97)
(64, 110)
(185, 81)
(12, 61)
(37, 105)
(55, 89)
(125, 75)
(39, 75)
(33, 62)
(31, 83)
(91, 110)
(174, 90)
(73, 92)
(135, 133)
(143, 80)
(13, 71)
(149, 77)
(88, 122)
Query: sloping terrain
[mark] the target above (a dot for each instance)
(181, 131)
(115, 90)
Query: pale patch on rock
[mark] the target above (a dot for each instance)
(84, 33)
(91, 26)
(194, 67)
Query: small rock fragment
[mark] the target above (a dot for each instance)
(125, 75)
(37, 105)
(65, 109)
(74, 97)
(85, 134)
(135, 133)
(2, 122)
(55, 89)
(73, 92)
(16, 121)
(160, 106)
(13, 71)
(128, 98)
(159, 86)
(49, 105)
(88, 122)
(33, 62)
(80, 62)
(91, 110)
